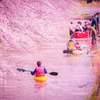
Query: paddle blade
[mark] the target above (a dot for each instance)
(66, 51)
(23, 70)
(20, 69)
(53, 73)
(68, 37)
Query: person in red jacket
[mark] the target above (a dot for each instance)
(39, 70)
(78, 47)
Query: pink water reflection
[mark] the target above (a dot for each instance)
(75, 75)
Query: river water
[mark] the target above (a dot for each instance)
(74, 81)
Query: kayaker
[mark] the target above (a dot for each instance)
(71, 43)
(78, 47)
(39, 70)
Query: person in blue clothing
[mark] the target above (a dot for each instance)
(94, 21)
(85, 26)
(39, 70)
(97, 21)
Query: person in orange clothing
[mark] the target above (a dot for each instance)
(71, 43)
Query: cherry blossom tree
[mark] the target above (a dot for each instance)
(23, 23)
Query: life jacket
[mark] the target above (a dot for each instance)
(71, 45)
(78, 47)
(40, 71)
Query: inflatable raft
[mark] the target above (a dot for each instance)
(77, 52)
(82, 35)
(41, 78)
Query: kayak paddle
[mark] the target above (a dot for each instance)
(66, 51)
(51, 73)
(69, 36)
(23, 70)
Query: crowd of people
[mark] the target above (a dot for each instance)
(87, 25)
(91, 25)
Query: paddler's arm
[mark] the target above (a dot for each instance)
(33, 72)
(45, 70)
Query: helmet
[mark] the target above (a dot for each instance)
(72, 37)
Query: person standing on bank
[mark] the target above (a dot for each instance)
(97, 21)
(94, 21)
(93, 33)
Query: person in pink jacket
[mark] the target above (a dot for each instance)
(78, 47)
(39, 70)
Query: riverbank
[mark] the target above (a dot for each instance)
(93, 4)
(86, 14)
(98, 97)
(96, 70)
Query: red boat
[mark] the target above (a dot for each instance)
(82, 35)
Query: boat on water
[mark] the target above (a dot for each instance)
(75, 52)
(85, 34)
(41, 78)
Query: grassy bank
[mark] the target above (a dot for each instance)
(95, 91)
(93, 4)
(96, 71)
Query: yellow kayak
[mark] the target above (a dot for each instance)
(41, 78)
(77, 52)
